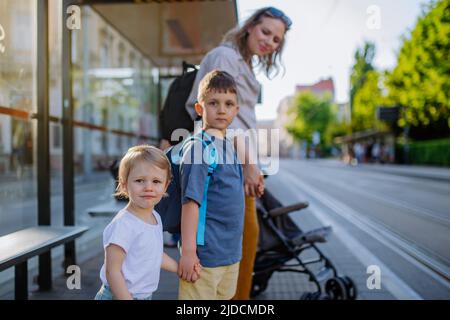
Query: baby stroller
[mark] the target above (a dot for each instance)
(281, 242)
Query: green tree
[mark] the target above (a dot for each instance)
(363, 65)
(420, 82)
(311, 113)
(338, 129)
(365, 103)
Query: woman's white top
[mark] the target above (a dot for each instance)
(143, 244)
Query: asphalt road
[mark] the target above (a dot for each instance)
(403, 222)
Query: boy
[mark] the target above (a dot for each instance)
(217, 246)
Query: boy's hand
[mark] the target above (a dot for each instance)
(253, 181)
(197, 269)
(187, 267)
(261, 187)
(196, 274)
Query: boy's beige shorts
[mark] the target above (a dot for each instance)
(214, 284)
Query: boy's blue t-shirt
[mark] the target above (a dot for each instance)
(225, 206)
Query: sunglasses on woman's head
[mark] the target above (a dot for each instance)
(279, 14)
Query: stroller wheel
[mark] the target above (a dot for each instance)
(308, 296)
(257, 289)
(314, 296)
(350, 287)
(324, 296)
(336, 289)
(259, 284)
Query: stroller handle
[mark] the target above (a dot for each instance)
(285, 210)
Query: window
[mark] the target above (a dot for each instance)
(56, 136)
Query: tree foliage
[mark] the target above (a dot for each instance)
(311, 113)
(363, 65)
(420, 82)
(365, 103)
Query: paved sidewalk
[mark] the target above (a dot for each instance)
(281, 286)
(434, 173)
(426, 172)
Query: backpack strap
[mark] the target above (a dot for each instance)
(212, 160)
(212, 164)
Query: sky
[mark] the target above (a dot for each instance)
(324, 37)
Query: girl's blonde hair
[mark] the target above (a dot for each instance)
(135, 154)
(239, 35)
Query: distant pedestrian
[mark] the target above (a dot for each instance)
(368, 152)
(376, 152)
(358, 150)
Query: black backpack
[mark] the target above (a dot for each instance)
(174, 115)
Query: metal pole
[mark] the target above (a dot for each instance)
(87, 105)
(68, 162)
(21, 281)
(406, 146)
(43, 158)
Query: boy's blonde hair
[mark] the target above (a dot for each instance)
(216, 80)
(135, 154)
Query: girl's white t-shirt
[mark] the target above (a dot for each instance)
(143, 244)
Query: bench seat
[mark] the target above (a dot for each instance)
(17, 247)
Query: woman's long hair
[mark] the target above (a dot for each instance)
(239, 35)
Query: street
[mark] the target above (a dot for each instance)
(400, 222)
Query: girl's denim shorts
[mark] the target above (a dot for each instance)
(105, 293)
